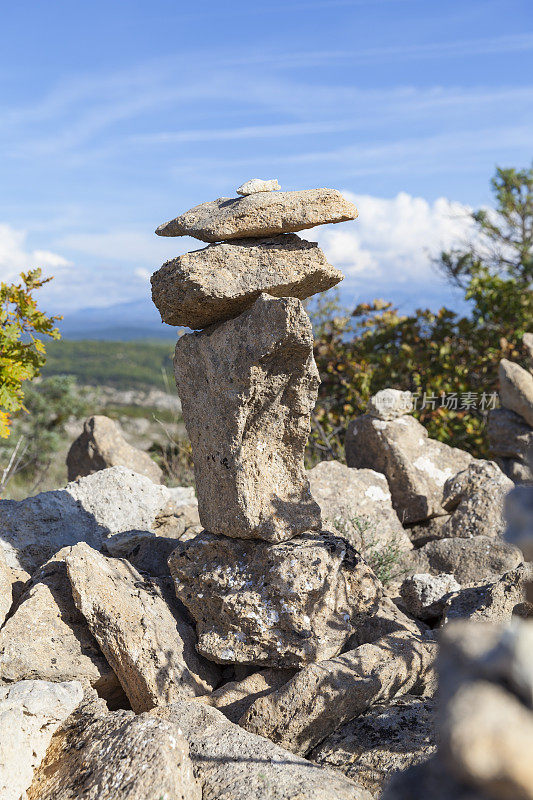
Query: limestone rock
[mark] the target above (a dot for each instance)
(6, 592)
(424, 596)
(386, 739)
(415, 466)
(280, 605)
(390, 404)
(247, 389)
(357, 504)
(470, 561)
(516, 389)
(235, 697)
(48, 638)
(509, 435)
(223, 280)
(102, 445)
(496, 601)
(323, 696)
(260, 214)
(232, 764)
(110, 502)
(486, 738)
(258, 185)
(116, 756)
(150, 647)
(30, 712)
(475, 497)
(519, 514)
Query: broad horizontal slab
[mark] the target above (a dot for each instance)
(221, 281)
(260, 214)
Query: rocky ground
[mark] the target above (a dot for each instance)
(281, 634)
(124, 661)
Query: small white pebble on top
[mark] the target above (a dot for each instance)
(258, 185)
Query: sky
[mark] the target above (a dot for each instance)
(117, 116)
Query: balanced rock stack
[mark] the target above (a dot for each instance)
(264, 584)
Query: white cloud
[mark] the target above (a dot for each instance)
(15, 256)
(142, 274)
(393, 240)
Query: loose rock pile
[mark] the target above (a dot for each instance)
(486, 702)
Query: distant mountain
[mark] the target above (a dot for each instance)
(138, 319)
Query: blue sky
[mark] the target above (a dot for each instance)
(117, 116)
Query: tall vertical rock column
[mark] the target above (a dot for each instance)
(263, 583)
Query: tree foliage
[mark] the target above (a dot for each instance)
(22, 352)
(437, 355)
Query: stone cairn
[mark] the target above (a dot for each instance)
(264, 584)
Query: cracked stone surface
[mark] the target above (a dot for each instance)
(387, 739)
(150, 646)
(280, 605)
(48, 638)
(97, 755)
(260, 214)
(233, 764)
(248, 387)
(325, 695)
(221, 281)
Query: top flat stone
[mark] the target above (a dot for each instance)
(260, 214)
(258, 185)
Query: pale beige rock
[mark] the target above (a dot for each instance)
(470, 561)
(390, 404)
(280, 605)
(424, 596)
(30, 712)
(116, 756)
(415, 466)
(48, 638)
(519, 514)
(324, 696)
(511, 443)
(258, 185)
(527, 341)
(150, 647)
(234, 698)
(247, 389)
(496, 601)
(232, 764)
(486, 739)
(102, 445)
(112, 502)
(516, 389)
(223, 280)
(356, 504)
(6, 593)
(475, 498)
(260, 214)
(385, 740)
